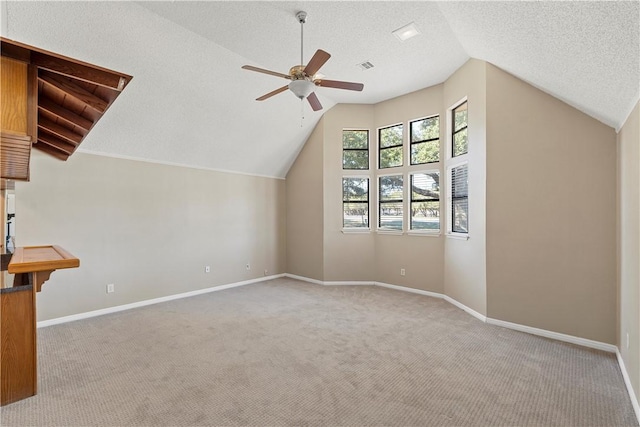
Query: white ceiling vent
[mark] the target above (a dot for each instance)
(366, 65)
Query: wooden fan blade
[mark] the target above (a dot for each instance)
(273, 92)
(340, 85)
(314, 101)
(262, 70)
(318, 60)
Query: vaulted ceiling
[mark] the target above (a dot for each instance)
(190, 103)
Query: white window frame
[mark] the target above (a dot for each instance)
(408, 191)
(404, 198)
(404, 143)
(348, 230)
(453, 162)
(369, 169)
(440, 157)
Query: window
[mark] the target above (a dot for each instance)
(459, 199)
(425, 201)
(390, 147)
(425, 140)
(390, 213)
(355, 149)
(355, 202)
(459, 140)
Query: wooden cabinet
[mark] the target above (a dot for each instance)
(18, 373)
(32, 266)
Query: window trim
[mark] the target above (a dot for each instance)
(411, 143)
(449, 201)
(452, 128)
(401, 145)
(385, 230)
(357, 229)
(368, 149)
(410, 201)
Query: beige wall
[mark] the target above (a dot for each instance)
(551, 179)
(629, 245)
(347, 257)
(541, 249)
(150, 229)
(465, 260)
(305, 224)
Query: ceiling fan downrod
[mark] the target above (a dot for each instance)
(302, 19)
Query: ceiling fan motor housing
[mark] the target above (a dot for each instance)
(301, 88)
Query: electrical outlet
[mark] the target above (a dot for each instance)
(402, 271)
(248, 266)
(627, 339)
(266, 272)
(111, 288)
(207, 269)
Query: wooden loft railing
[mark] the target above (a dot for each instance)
(49, 102)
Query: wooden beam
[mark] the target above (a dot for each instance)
(64, 114)
(78, 71)
(64, 65)
(70, 88)
(58, 130)
(52, 151)
(55, 142)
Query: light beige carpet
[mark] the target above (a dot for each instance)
(289, 353)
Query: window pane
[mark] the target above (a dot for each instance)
(460, 117)
(391, 136)
(355, 215)
(391, 188)
(425, 152)
(460, 143)
(355, 159)
(459, 199)
(391, 215)
(425, 215)
(425, 186)
(460, 214)
(355, 189)
(355, 202)
(424, 129)
(391, 195)
(391, 157)
(355, 139)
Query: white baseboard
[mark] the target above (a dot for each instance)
(137, 304)
(347, 283)
(410, 290)
(627, 382)
(555, 335)
(304, 279)
(469, 310)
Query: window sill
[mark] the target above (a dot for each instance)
(356, 230)
(424, 233)
(391, 232)
(457, 236)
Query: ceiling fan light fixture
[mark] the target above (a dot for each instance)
(301, 88)
(406, 32)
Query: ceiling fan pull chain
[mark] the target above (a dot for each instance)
(301, 111)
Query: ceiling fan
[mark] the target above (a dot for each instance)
(304, 78)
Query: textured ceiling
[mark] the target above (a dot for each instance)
(190, 103)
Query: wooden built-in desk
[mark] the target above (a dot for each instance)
(32, 266)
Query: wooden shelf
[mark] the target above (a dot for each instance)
(31, 259)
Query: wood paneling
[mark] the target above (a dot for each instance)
(61, 99)
(13, 97)
(16, 153)
(18, 373)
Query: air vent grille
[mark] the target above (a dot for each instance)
(366, 65)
